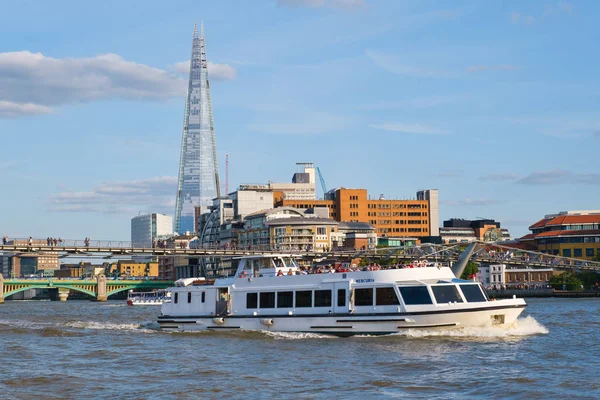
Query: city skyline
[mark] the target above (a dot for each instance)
(493, 104)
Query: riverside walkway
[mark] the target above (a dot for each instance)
(484, 252)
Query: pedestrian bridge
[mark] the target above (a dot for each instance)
(100, 288)
(484, 252)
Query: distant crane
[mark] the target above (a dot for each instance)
(323, 185)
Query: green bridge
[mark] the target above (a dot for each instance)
(99, 288)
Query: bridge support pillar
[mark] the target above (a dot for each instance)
(101, 293)
(62, 296)
(1, 289)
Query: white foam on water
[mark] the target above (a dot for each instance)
(107, 326)
(297, 335)
(527, 326)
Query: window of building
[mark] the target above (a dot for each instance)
(321, 231)
(251, 300)
(472, 293)
(363, 297)
(322, 298)
(285, 299)
(446, 293)
(386, 296)
(577, 252)
(566, 252)
(341, 297)
(589, 252)
(267, 300)
(414, 295)
(304, 298)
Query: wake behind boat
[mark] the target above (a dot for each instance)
(154, 298)
(272, 293)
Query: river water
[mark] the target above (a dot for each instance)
(82, 349)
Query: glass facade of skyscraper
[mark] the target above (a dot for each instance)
(198, 176)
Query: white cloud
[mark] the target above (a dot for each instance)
(155, 194)
(396, 65)
(340, 4)
(518, 18)
(217, 72)
(10, 109)
(32, 83)
(500, 67)
(410, 128)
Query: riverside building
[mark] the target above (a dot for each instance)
(395, 218)
(146, 229)
(568, 234)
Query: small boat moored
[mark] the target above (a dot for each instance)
(154, 298)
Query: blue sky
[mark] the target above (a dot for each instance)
(495, 103)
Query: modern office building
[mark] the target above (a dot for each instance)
(568, 234)
(394, 218)
(147, 228)
(198, 181)
(457, 230)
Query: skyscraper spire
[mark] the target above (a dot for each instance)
(198, 175)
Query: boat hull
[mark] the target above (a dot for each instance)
(492, 313)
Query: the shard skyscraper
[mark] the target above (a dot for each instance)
(198, 181)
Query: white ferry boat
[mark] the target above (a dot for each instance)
(271, 293)
(154, 298)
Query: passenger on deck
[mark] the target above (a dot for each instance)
(280, 273)
(290, 272)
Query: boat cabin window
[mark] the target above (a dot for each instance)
(386, 296)
(322, 298)
(176, 298)
(415, 295)
(251, 300)
(304, 298)
(203, 296)
(472, 293)
(189, 297)
(267, 300)
(446, 293)
(363, 297)
(285, 299)
(341, 300)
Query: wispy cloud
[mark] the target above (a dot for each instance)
(218, 72)
(397, 65)
(499, 177)
(500, 67)
(10, 109)
(147, 195)
(304, 123)
(32, 83)
(561, 7)
(560, 177)
(347, 5)
(471, 202)
(410, 128)
(450, 173)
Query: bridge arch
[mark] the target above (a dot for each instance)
(47, 286)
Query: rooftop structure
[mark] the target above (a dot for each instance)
(567, 233)
(198, 181)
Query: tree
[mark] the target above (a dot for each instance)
(471, 269)
(597, 256)
(567, 280)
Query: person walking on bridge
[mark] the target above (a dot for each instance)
(4, 240)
